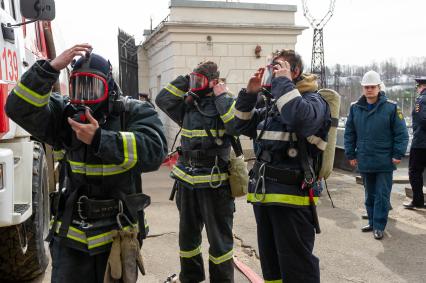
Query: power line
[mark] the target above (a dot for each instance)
(317, 60)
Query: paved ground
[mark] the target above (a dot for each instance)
(346, 254)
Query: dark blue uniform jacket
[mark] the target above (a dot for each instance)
(375, 137)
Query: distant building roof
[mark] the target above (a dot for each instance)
(232, 5)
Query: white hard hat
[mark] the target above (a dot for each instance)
(371, 78)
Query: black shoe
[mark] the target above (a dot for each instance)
(367, 228)
(378, 234)
(364, 216)
(411, 205)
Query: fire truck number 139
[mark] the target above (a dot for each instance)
(8, 65)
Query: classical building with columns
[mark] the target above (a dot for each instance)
(239, 37)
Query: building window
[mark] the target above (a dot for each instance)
(13, 9)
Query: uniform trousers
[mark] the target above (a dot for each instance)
(416, 166)
(286, 239)
(213, 208)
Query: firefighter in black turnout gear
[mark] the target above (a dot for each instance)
(203, 109)
(290, 134)
(108, 142)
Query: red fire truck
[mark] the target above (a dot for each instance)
(26, 165)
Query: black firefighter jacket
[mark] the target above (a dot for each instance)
(108, 170)
(194, 137)
(419, 122)
(298, 111)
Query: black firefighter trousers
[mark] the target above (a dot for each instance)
(213, 208)
(70, 265)
(416, 166)
(286, 239)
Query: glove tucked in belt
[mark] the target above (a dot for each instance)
(125, 258)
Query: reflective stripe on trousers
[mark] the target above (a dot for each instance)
(280, 198)
(189, 254)
(92, 241)
(222, 258)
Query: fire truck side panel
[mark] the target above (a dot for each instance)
(16, 159)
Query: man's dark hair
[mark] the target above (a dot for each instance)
(290, 56)
(208, 69)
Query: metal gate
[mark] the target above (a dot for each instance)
(128, 64)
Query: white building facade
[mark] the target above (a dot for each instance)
(239, 37)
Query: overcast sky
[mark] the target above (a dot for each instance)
(360, 31)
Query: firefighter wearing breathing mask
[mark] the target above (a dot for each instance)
(204, 110)
(108, 142)
(288, 130)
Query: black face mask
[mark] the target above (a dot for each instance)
(202, 93)
(77, 112)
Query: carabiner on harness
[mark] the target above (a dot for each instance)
(79, 208)
(260, 182)
(83, 224)
(121, 214)
(307, 183)
(215, 168)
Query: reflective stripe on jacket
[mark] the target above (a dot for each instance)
(220, 121)
(110, 169)
(293, 114)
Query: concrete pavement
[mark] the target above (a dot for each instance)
(346, 254)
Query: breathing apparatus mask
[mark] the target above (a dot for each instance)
(199, 81)
(92, 87)
(268, 75)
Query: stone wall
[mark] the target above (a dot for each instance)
(196, 33)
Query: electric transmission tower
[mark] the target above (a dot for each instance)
(317, 62)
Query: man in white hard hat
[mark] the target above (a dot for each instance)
(376, 139)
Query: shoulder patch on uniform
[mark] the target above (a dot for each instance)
(399, 113)
(392, 101)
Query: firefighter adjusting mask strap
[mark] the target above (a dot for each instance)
(88, 88)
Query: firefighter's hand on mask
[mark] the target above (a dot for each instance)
(219, 89)
(85, 132)
(283, 69)
(255, 82)
(65, 58)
